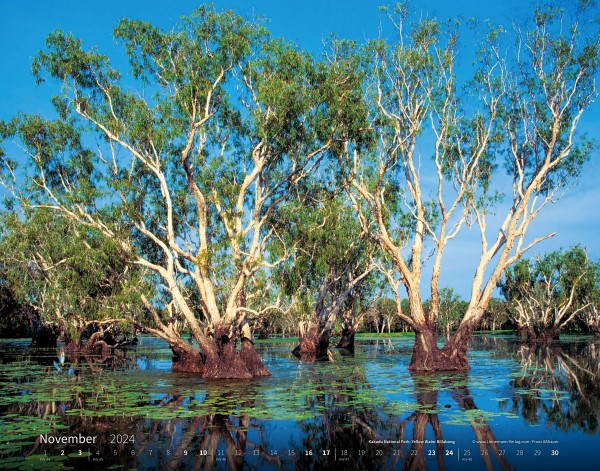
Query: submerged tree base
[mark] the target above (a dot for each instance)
(428, 357)
(313, 346)
(226, 363)
(92, 340)
(542, 336)
(347, 340)
(186, 359)
(252, 361)
(538, 335)
(43, 335)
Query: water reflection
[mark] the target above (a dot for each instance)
(208, 441)
(344, 431)
(428, 387)
(486, 440)
(363, 411)
(558, 384)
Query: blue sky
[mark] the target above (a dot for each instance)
(25, 24)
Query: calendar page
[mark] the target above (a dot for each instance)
(261, 235)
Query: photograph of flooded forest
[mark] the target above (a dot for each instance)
(320, 235)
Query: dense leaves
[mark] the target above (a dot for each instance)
(69, 276)
(546, 293)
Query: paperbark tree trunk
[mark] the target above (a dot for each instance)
(543, 334)
(186, 359)
(313, 345)
(347, 340)
(250, 357)
(427, 356)
(221, 361)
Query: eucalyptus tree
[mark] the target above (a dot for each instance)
(450, 311)
(518, 113)
(547, 293)
(497, 316)
(182, 159)
(383, 316)
(590, 317)
(360, 303)
(77, 282)
(331, 268)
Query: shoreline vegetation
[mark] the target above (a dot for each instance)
(369, 335)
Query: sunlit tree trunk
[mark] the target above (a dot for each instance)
(413, 87)
(185, 172)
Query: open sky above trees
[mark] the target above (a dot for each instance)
(24, 26)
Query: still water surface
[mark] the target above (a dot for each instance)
(519, 407)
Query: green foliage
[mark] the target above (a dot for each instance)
(517, 108)
(497, 316)
(182, 159)
(558, 272)
(330, 251)
(13, 314)
(71, 275)
(451, 310)
(551, 288)
(186, 163)
(563, 62)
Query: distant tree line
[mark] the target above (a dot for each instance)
(541, 298)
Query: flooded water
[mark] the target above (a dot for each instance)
(519, 407)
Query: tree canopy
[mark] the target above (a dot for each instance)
(72, 277)
(547, 293)
(444, 148)
(181, 162)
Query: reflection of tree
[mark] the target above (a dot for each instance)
(200, 442)
(209, 433)
(165, 432)
(426, 414)
(214, 440)
(100, 358)
(552, 373)
(343, 423)
(485, 436)
(347, 423)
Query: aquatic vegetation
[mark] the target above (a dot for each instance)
(343, 404)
